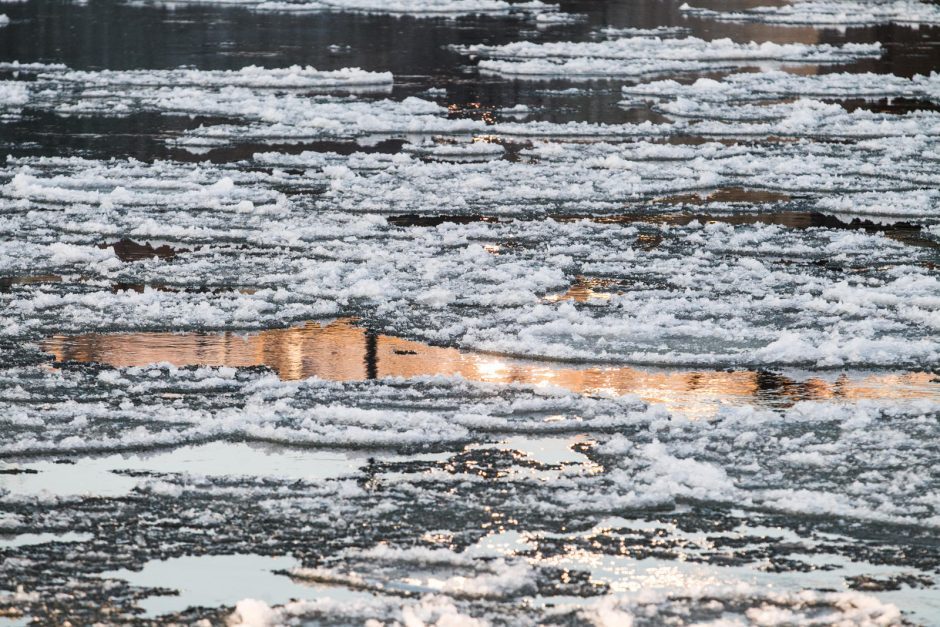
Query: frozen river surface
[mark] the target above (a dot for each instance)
(470, 312)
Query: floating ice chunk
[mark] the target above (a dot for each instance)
(16, 66)
(802, 118)
(775, 84)
(4, 20)
(659, 31)
(910, 203)
(829, 13)
(545, 20)
(415, 8)
(13, 94)
(640, 56)
(298, 119)
(294, 77)
(460, 152)
(438, 7)
(686, 49)
(249, 92)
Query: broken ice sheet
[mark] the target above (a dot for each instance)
(266, 106)
(838, 462)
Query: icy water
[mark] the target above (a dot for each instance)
(470, 312)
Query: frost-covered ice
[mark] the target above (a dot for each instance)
(827, 13)
(643, 56)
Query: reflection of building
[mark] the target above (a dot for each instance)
(334, 351)
(341, 351)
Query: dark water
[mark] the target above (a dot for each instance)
(109, 34)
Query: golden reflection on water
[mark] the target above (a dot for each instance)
(342, 351)
(584, 290)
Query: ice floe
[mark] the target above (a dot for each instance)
(828, 13)
(295, 77)
(414, 8)
(644, 56)
(772, 85)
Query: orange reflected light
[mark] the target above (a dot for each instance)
(342, 351)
